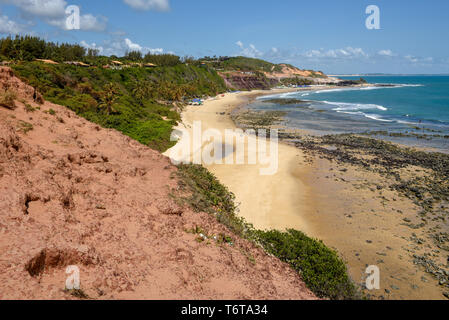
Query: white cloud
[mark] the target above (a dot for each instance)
(346, 53)
(40, 8)
(419, 60)
(88, 22)
(53, 13)
(132, 46)
(120, 46)
(313, 54)
(343, 57)
(357, 52)
(250, 51)
(160, 5)
(93, 45)
(386, 53)
(411, 58)
(159, 51)
(9, 27)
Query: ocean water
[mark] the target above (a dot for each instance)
(416, 107)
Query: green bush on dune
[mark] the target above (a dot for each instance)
(323, 271)
(320, 267)
(209, 195)
(7, 99)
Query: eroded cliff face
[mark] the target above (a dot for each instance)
(266, 80)
(292, 72)
(73, 193)
(245, 81)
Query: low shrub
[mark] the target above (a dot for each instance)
(323, 271)
(7, 99)
(320, 267)
(139, 102)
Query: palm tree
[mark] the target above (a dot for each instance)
(109, 97)
(142, 90)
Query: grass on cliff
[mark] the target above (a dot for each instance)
(243, 64)
(207, 194)
(323, 271)
(7, 99)
(139, 102)
(319, 266)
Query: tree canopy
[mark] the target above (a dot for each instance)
(27, 48)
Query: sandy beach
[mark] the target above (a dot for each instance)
(323, 199)
(259, 197)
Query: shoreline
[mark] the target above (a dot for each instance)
(322, 199)
(316, 118)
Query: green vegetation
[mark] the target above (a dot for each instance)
(207, 194)
(28, 48)
(244, 64)
(296, 82)
(108, 99)
(29, 107)
(315, 74)
(7, 99)
(320, 267)
(249, 256)
(352, 82)
(142, 103)
(162, 60)
(25, 127)
(250, 64)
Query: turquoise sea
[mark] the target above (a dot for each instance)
(417, 107)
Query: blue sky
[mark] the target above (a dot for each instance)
(326, 35)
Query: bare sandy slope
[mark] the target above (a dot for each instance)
(76, 194)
